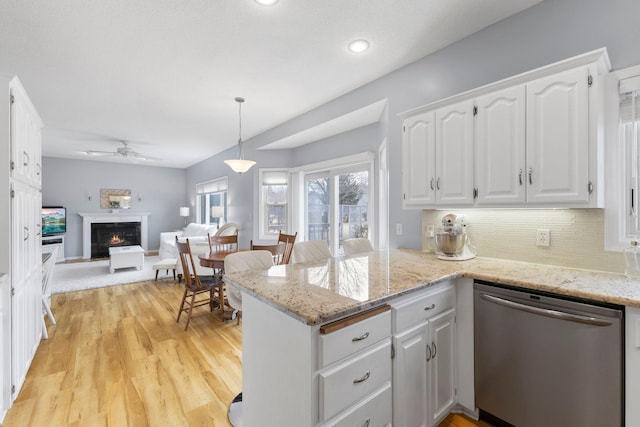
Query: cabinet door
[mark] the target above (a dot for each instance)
(558, 138)
(418, 151)
(454, 154)
(410, 402)
(442, 365)
(500, 147)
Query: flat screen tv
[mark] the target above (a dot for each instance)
(54, 220)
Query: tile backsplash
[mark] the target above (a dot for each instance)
(577, 236)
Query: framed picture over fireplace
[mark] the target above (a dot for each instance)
(115, 199)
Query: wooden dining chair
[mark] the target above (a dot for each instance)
(288, 240)
(223, 243)
(277, 250)
(195, 285)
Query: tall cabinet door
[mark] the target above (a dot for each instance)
(500, 147)
(558, 138)
(418, 146)
(454, 154)
(410, 379)
(442, 364)
(26, 302)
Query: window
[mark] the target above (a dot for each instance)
(211, 202)
(622, 160)
(274, 198)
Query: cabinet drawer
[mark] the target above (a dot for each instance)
(373, 411)
(346, 340)
(414, 310)
(348, 382)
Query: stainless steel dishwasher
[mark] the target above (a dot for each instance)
(546, 361)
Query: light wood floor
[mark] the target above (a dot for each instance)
(117, 357)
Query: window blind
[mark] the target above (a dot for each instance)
(213, 186)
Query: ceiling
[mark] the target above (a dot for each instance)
(163, 74)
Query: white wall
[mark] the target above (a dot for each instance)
(67, 182)
(548, 32)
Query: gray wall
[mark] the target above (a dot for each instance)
(67, 183)
(548, 32)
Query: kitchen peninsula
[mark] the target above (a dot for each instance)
(287, 358)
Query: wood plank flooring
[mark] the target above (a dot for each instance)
(117, 357)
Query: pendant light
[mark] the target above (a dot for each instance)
(240, 165)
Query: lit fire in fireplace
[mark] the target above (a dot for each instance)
(115, 239)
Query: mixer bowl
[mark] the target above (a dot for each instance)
(450, 243)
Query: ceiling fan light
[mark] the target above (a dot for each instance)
(239, 165)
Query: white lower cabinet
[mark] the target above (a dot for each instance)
(354, 380)
(424, 363)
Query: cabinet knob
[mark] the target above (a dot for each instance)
(366, 422)
(363, 378)
(431, 307)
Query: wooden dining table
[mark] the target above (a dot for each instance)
(215, 260)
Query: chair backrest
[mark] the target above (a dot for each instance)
(191, 279)
(223, 243)
(228, 229)
(289, 240)
(277, 251)
(247, 260)
(356, 246)
(311, 251)
(47, 272)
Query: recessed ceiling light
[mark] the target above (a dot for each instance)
(359, 46)
(267, 2)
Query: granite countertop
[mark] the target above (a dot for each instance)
(318, 293)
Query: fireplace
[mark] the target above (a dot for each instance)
(119, 238)
(108, 234)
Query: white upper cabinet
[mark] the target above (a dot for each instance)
(438, 157)
(558, 138)
(26, 161)
(419, 168)
(500, 147)
(529, 140)
(454, 154)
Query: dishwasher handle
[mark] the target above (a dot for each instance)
(546, 312)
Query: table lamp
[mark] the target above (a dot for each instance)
(217, 212)
(184, 212)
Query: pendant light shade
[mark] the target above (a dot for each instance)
(240, 165)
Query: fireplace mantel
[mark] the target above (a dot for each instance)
(93, 217)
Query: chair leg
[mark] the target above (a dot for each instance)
(184, 296)
(45, 335)
(47, 308)
(193, 298)
(157, 275)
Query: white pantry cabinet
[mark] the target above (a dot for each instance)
(425, 360)
(20, 254)
(438, 157)
(632, 366)
(532, 140)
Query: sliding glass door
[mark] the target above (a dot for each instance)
(337, 205)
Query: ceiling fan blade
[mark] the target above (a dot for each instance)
(100, 153)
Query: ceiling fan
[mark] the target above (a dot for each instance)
(124, 151)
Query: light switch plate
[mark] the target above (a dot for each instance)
(399, 229)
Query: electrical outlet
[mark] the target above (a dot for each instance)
(543, 237)
(431, 230)
(398, 229)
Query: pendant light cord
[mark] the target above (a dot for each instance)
(240, 101)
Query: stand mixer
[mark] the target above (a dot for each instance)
(452, 243)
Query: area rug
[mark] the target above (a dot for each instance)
(77, 276)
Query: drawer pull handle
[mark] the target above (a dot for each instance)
(367, 422)
(363, 379)
(361, 337)
(435, 349)
(428, 353)
(431, 307)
